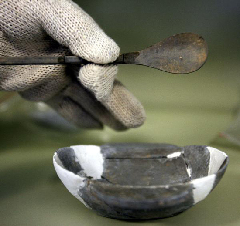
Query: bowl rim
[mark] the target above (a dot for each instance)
(88, 179)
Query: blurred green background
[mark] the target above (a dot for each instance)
(181, 110)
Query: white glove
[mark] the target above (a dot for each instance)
(61, 27)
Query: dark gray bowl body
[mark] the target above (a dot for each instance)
(140, 181)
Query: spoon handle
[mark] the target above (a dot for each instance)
(41, 60)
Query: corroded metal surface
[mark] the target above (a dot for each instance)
(182, 53)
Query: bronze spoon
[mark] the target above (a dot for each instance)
(179, 54)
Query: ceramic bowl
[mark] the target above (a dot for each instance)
(140, 180)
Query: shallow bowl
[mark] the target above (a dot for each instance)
(140, 180)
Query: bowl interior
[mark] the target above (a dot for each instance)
(141, 164)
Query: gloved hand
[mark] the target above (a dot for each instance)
(60, 27)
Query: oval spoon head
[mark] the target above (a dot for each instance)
(179, 54)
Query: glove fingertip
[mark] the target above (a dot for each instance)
(98, 79)
(125, 107)
(100, 52)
